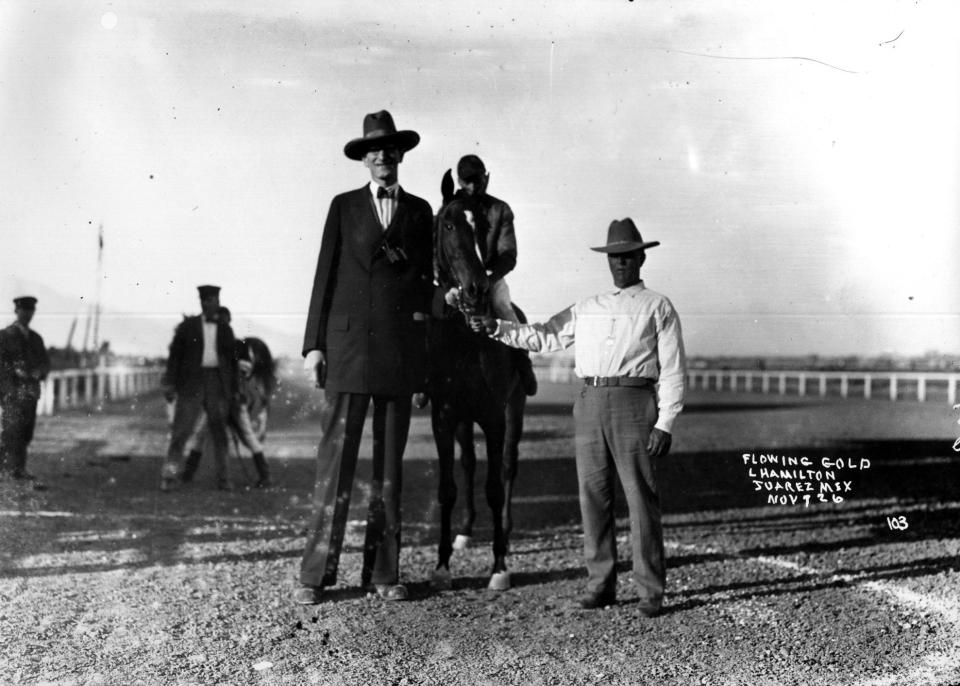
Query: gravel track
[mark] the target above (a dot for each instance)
(103, 580)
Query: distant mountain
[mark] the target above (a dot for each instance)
(129, 333)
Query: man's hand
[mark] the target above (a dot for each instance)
(658, 444)
(483, 324)
(314, 365)
(169, 393)
(452, 298)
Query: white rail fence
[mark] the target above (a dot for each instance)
(68, 388)
(894, 385)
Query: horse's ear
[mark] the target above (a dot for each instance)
(446, 186)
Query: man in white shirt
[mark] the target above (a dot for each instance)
(630, 356)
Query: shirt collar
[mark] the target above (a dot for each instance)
(631, 290)
(393, 189)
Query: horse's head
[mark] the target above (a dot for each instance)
(455, 246)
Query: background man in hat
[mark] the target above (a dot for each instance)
(630, 356)
(239, 419)
(23, 365)
(202, 375)
(365, 340)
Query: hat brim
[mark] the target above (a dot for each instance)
(404, 140)
(625, 246)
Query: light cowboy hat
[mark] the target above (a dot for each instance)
(624, 236)
(379, 129)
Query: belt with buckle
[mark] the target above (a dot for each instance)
(632, 381)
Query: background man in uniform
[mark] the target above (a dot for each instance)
(202, 375)
(365, 339)
(24, 363)
(629, 353)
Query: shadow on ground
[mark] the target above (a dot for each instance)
(112, 504)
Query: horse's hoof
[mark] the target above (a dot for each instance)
(499, 581)
(461, 542)
(441, 579)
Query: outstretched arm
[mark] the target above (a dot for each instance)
(555, 334)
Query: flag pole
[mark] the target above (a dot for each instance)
(96, 304)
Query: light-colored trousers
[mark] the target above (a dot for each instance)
(613, 425)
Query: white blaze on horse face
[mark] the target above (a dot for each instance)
(468, 215)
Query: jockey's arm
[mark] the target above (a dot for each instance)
(506, 257)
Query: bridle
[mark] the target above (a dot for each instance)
(446, 275)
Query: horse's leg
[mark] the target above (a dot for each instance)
(494, 430)
(468, 460)
(511, 453)
(443, 435)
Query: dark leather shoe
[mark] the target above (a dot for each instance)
(592, 600)
(392, 591)
(648, 609)
(308, 595)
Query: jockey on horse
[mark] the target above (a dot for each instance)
(497, 246)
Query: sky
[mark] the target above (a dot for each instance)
(798, 161)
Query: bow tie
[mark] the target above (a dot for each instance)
(384, 193)
(212, 320)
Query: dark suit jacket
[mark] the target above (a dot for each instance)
(185, 362)
(26, 353)
(362, 305)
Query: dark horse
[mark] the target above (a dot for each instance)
(472, 379)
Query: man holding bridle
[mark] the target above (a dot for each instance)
(630, 356)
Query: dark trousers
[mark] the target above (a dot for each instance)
(342, 427)
(612, 428)
(190, 410)
(18, 418)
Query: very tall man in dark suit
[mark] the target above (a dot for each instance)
(364, 341)
(24, 363)
(202, 374)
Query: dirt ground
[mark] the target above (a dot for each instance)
(104, 580)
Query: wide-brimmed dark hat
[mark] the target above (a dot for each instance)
(624, 236)
(379, 129)
(27, 302)
(208, 291)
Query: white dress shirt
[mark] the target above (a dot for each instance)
(626, 332)
(209, 345)
(386, 207)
